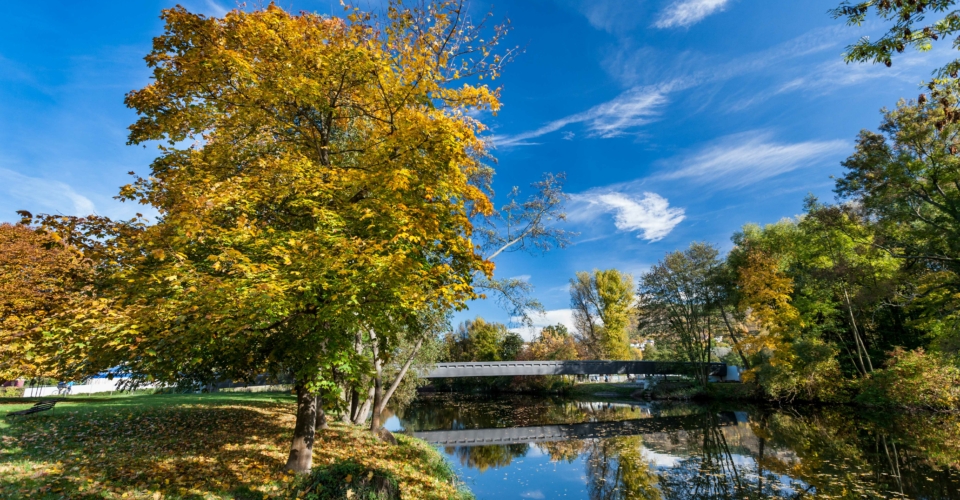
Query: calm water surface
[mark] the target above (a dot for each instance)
(527, 447)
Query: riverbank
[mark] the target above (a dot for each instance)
(211, 446)
(674, 390)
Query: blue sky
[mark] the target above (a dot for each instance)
(674, 120)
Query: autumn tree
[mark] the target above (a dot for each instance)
(316, 182)
(765, 295)
(42, 280)
(822, 300)
(602, 302)
(554, 343)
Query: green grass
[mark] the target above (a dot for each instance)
(196, 446)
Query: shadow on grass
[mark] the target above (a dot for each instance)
(177, 446)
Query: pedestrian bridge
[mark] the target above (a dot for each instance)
(588, 430)
(540, 368)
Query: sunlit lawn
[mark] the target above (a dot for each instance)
(182, 446)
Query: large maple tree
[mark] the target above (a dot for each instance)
(315, 185)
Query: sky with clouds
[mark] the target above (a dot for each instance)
(674, 120)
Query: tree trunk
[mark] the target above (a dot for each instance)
(361, 415)
(856, 331)
(733, 336)
(354, 403)
(301, 451)
(321, 414)
(377, 382)
(377, 396)
(400, 375)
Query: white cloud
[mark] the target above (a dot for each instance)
(21, 192)
(629, 110)
(743, 159)
(649, 214)
(548, 318)
(684, 13)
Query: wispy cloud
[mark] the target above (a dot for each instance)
(636, 107)
(216, 8)
(37, 194)
(742, 159)
(648, 214)
(643, 104)
(612, 16)
(685, 13)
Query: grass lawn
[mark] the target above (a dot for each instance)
(215, 446)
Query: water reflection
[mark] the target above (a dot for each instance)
(555, 448)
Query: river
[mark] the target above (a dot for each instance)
(528, 447)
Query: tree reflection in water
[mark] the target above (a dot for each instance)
(618, 470)
(488, 457)
(784, 453)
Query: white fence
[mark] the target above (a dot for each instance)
(92, 386)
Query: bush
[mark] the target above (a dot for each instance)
(348, 480)
(807, 370)
(913, 379)
(11, 392)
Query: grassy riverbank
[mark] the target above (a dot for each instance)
(211, 446)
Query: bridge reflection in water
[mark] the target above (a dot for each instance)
(588, 430)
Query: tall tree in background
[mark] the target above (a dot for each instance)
(479, 340)
(677, 303)
(555, 343)
(906, 181)
(602, 302)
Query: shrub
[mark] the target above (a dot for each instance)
(348, 479)
(11, 392)
(806, 370)
(913, 379)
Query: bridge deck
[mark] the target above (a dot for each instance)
(588, 430)
(534, 368)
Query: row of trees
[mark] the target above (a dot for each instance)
(833, 294)
(323, 199)
(846, 289)
(603, 315)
